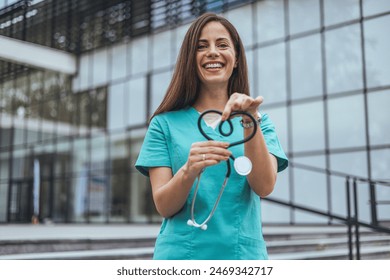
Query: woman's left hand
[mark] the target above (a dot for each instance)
(241, 102)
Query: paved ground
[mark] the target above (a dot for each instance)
(73, 231)
(115, 231)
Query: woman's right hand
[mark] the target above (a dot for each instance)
(204, 154)
(170, 192)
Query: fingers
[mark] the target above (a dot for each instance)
(208, 153)
(210, 150)
(241, 102)
(210, 144)
(258, 100)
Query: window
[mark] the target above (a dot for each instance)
(308, 127)
(343, 59)
(306, 67)
(272, 73)
(377, 45)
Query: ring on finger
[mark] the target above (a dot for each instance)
(203, 157)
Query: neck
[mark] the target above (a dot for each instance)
(211, 98)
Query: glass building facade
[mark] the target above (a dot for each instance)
(70, 141)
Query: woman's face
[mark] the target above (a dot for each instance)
(215, 57)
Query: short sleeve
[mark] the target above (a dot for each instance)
(272, 141)
(154, 151)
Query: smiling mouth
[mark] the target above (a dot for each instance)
(213, 65)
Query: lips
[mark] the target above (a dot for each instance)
(213, 65)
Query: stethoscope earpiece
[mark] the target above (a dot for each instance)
(194, 224)
(242, 164)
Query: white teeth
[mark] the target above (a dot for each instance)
(213, 65)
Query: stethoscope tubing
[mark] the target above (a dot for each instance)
(229, 121)
(192, 221)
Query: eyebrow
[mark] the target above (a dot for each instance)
(218, 39)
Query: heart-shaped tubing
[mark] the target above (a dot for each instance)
(246, 139)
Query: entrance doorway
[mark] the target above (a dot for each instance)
(20, 206)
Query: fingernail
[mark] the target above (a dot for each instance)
(224, 117)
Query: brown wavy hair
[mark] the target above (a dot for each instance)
(184, 87)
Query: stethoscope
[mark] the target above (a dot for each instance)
(242, 164)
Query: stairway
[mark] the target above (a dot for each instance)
(323, 243)
(67, 242)
(108, 242)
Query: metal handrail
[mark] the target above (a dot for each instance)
(351, 205)
(338, 174)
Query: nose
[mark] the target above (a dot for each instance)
(213, 51)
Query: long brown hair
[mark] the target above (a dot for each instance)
(183, 89)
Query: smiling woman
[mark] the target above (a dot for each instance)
(215, 58)
(211, 73)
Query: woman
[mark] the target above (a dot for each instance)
(211, 73)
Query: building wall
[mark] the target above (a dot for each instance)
(323, 68)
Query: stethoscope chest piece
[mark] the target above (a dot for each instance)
(243, 165)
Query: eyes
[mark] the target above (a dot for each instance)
(222, 46)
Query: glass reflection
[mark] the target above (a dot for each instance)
(372, 7)
(338, 195)
(308, 127)
(119, 61)
(135, 97)
(116, 106)
(343, 59)
(272, 213)
(340, 11)
(380, 162)
(161, 49)
(279, 118)
(272, 73)
(304, 15)
(377, 45)
(346, 122)
(310, 190)
(269, 16)
(314, 161)
(243, 21)
(306, 67)
(139, 55)
(160, 84)
(379, 116)
(353, 163)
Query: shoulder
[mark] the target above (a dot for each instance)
(173, 114)
(170, 117)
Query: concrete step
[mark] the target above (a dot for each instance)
(296, 232)
(26, 246)
(137, 241)
(372, 252)
(331, 242)
(110, 254)
(367, 253)
(319, 244)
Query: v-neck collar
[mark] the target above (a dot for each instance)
(214, 133)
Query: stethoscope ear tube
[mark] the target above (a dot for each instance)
(229, 121)
(229, 132)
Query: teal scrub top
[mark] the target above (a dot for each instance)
(235, 230)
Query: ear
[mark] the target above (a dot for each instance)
(236, 63)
